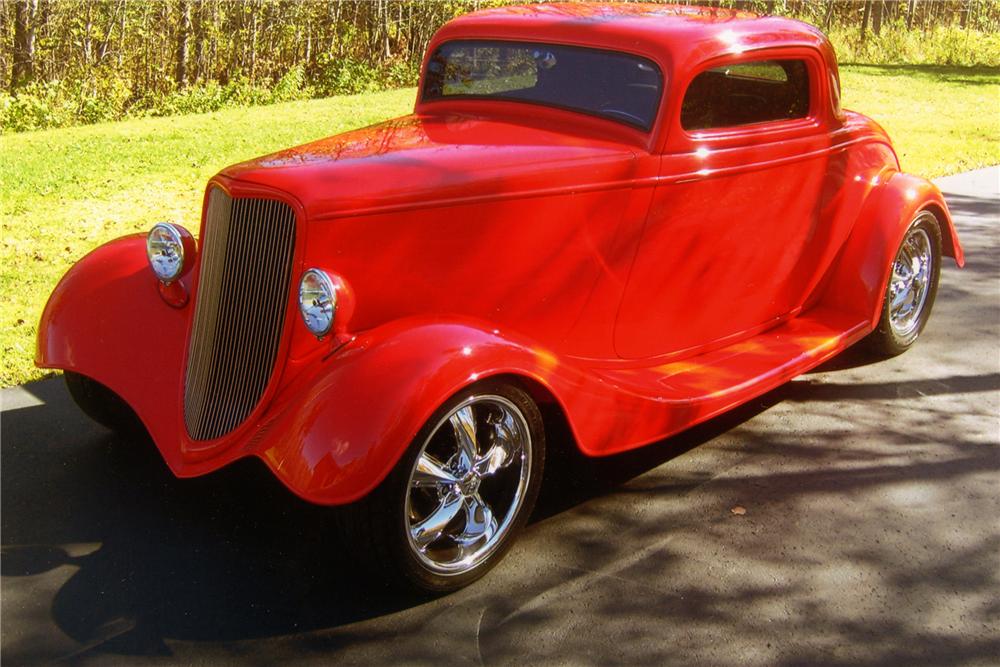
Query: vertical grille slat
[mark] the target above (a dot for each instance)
(246, 262)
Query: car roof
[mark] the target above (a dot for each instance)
(679, 35)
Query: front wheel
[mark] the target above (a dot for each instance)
(909, 295)
(102, 405)
(452, 506)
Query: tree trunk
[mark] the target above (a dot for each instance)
(911, 9)
(195, 69)
(183, 33)
(829, 15)
(864, 19)
(23, 66)
(877, 8)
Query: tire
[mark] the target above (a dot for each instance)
(102, 405)
(448, 513)
(909, 294)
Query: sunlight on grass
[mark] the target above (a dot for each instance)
(66, 191)
(942, 120)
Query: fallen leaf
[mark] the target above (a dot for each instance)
(738, 510)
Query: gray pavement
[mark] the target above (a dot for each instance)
(871, 534)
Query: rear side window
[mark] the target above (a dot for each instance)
(746, 93)
(618, 86)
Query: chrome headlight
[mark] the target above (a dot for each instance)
(165, 251)
(317, 301)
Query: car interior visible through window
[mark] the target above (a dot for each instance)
(746, 93)
(620, 86)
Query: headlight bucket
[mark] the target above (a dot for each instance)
(317, 301)
(170, 251)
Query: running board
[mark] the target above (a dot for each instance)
(657, 401)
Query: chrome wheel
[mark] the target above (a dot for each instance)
(467, 484)
(910, 282)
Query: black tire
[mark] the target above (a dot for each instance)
(102, 405)
(378, 528)
(889, 338)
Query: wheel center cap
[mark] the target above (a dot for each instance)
(469, 485)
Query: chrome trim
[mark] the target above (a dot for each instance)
(178, 239)
(910, 282)
(331, 292)
(462, 496)
(239, 315)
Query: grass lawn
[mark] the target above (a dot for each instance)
(66, 191)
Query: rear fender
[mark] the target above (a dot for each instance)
(858, 280)
(338, 434)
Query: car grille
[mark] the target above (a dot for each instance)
(246, 261)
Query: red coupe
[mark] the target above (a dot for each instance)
(633, 216)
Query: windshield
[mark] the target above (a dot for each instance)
(613, 85)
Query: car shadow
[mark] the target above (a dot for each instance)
(232, 555)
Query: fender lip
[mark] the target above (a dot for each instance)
(335, 435)
(857, 280)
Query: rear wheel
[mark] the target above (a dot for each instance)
(453, 505)
(101, 404)
(909, 295)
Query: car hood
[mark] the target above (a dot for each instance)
(420, 160)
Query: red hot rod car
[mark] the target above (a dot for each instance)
(634, 216)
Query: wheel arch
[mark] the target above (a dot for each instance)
(343, 431)
(858, 278)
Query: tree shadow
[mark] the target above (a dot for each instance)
(234, 556)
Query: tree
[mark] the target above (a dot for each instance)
(877, 8)
(23, 66)
(183, 31)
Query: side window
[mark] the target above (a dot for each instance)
(745, 93)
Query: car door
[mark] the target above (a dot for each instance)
(735, 209)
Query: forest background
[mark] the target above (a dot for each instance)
(70, 62)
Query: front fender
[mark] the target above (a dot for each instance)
(338, 435)
(858, 280)
(106, 320)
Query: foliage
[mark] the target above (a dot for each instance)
(940, 45)
(100, 60)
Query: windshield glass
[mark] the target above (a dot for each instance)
(613, 85)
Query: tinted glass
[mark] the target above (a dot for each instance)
(613, 85)
(754, 92)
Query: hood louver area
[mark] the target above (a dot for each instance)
(246, 261)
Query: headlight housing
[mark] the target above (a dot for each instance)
(166, 247)
(317, 301)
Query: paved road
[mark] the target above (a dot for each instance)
(871, 534)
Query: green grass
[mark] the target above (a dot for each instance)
(942, 120)
(66, 191)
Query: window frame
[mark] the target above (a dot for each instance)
(649, 131)
(736, 134)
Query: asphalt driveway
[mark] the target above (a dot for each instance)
(871, 532)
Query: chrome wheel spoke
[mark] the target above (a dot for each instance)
(463, 423)
(452, 527)
(431, 473)
(910, 281)
(480, 526)
(432, 526)
(504, 447)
